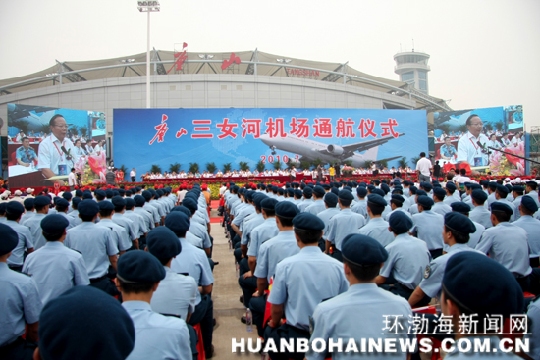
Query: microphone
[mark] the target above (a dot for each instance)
(67, 152)
(483, 147)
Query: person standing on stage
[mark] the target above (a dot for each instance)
(471, 145)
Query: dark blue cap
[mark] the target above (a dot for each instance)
(62, 336)
(459, 222)
(139, 200)
(421, 192)
(269, 204)
(100, 193)
(460, 207)
(359, 249)
(298, 193)
(479, 195)
(109, 193)
(130, 203)
(177, 221)
(87, 195)
(10, 239)
(493, 185)
(509, 187)
(41, 201)
(425, 201)
(105, 205)
(331, 199)
(427, 186)
(163, 243)
(308, 191)
(62, 202)
(474, 186)
(183, 210)
(440, 192)
(346, 195)
(29, 203)
(502, 189)
(76, 201)
(67, 195)
(528, 203)
(190, 204)
(286, 209)
(139, 267)
(118, 201)
(499, 206)
(361, 191)
(481, 285)
(385, 188)
(400, 222)
(308, 221)
(78, 193)
(335, 190)
(319, 190)
(15, 208)
(88, 208)
(147, 195)
(376, 199)
(257, 199)
(397, 197)
(378, 192)
(451, 186)
(54, 223)
(518, 188)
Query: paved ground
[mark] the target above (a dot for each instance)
(226, 293)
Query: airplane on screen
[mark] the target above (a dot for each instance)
(329, 153)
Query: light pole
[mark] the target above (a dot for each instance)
(148, 7)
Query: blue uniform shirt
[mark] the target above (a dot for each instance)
(301, 285)
(25, 242)
(433, 275)
(475, 237)
(343, 224)
(194, 262)
(365, 304)
(157, 336)
(507, 244)
(55, 269)
(273, 251)
(95, 244)
(325, 216)
(250, 224)
(20, 304)
(429, 227)
(26, 155)
(532, 227)
(34, 225)
(267, 230)
(316, 207)
(407, 260)
(175, 295)
(119, 233)
(377, 228)
(481, 215)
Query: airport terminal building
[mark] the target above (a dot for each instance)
(247, 79)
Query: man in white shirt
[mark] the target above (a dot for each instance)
(72, 179)
(56, 152)
(133, 175)
(423, 168)
(471, 145)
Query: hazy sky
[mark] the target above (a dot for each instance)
(483, 53)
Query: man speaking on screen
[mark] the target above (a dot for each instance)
(472, 145)
(56, 153)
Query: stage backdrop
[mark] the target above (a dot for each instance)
(28, 130)
(146, 137)
(460, 136)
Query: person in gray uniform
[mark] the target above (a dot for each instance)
(364, 303)
(457, 228)
(19, 301)
(428, 226)
(377, 228)
(158, 336)
(54, 267)
(299, 285)
(527, 222)
(14, 211)
(407, 258)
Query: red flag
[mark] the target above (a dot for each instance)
(185, 45)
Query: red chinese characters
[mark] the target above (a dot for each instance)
(232, 60)
(181, 132)
(345, 128)
(322, 128)
(275, 128)
(366, 128)
(299, 127)
(227, 129)
(251, 127)
(180, 59)
(388, 128)
(161, 130)
(201, 129)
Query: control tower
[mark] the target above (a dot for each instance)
(412, 68)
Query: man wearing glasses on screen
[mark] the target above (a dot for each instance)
(472, 146)
(56, 153)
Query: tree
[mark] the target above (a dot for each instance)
(383, 163)
(243, 166)
(260, 166)
(402, 162)
(83, 131)
(193, 168)
(277, 165)
(317, 162)
(123, 169)
(305, 164)
(227, 167)
(414, 160)
(499, 125)
(292, 164)
(175, 168)
(155, 169)
(368, 163)
(211, 167)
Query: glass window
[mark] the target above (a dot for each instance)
(408, 77)
(422, 75)
(422, 85)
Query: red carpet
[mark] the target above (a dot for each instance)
(215, 219)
